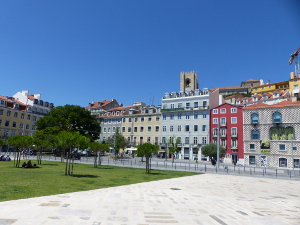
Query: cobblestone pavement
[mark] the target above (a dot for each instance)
(200, 199)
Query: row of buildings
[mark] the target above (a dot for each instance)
(259, 129)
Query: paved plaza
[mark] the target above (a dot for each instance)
(199, 199)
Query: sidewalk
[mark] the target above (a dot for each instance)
(208, 199)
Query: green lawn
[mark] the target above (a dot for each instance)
(49, 179)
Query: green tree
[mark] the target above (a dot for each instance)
(97, 148)
(2, 143)
(69, 140)
(70, 118)
(19, 142)
(211, 150)
(147, 149)
(117, 141)
(173, 146)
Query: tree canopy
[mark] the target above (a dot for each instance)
(70, 118)
(147, 149)
(211, 150)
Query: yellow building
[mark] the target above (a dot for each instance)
(292, 85)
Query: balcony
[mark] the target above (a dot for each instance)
(172, 109)
(223, 135)
(234, 147)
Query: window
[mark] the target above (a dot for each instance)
(164, 128)
(108, 130)
(22, 116)
(204, 104)
(252, 160)
(187, 116)
(187, 127)
(196, 105)
(215, 132)
(187, 140)
(233, 143)
(7, 123)
(233, 110)
(15, 114)
(179, 105)
(172, 106)
(34, 118)
(252, 146)
(123, 129)
(282, 147)
(114, 129)
(255, 134)
(233, 120)
(195, 115)
(223, 142)
(129, 129)
(148, 139)
(27, 126)
(187, 105)
(171, 128)
(149, 118)
(223, 132)
(203, 127)
(142, 119)
(129, 120)
(124, 120)
(179, 116)
(1, 111)
(179, 128)
(277, 117)
(223, 121)
(254, 118)
(282, 162)
(171, 116)
(157, 118)
(204, 115)
(234, 131)
(135, 119)
(141, 129)
(156, 128)
(215, 111)
(215, 120)
(14, 124)
(204, 140)
(163, 139)
(195, 140)
(135, 129)
(195, 127)
(21, 125)
(149, 128)
(164, 117)
(28, 117)
(223, 111)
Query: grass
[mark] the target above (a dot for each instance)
(49, 179)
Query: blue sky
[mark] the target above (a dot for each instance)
(76, 52)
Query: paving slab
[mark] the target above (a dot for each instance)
(200, 199)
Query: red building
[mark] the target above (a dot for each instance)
(226, 123)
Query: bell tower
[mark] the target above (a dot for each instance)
(188, 81)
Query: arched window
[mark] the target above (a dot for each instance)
(255, 134)
(277, 117)
(254, 118)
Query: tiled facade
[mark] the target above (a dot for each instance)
(270, 133)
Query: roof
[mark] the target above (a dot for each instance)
(98, 104)
(225, 88)
(278, 105)
(250, 80)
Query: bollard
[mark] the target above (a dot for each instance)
(244, 169)
(250, 172)
(108, 161)
(175, 166)
(195, 167)
(185, 166)
(254, 169)
(205, 168)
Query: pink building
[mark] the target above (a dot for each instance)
(226, 123)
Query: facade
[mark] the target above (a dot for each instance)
(185, 115)
(18, 114)
(100, 108)
(251, 84)
(226, 129)
(231, 90)
(271, 135)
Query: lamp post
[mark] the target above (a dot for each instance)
(218, 145)
(189, 150)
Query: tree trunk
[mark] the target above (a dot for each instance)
(95, 161)
(66, 170)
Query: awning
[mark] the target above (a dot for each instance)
(234, 153)
(161, 150)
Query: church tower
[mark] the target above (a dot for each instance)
(188, 81)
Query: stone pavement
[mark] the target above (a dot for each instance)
(199, 199)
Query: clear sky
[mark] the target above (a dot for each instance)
(76, 52)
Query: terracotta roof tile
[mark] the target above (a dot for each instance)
(280, 104)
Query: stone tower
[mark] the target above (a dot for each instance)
(188, 81)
